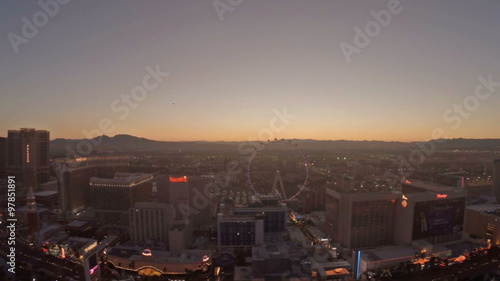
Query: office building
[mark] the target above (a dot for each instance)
(240, 231)
(27, 156)
(179, 190)
(120, 192)
(267, 207)
(244, 220)
(433, 217)
(422, 211)
(47, 198)
(274, 216)
(431, 212)
(73, 179)
(360, 220)
(188, 195)
(112, 198)
(484, 221)
(151, 221)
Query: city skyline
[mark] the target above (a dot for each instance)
(228, 72)
(238, 140)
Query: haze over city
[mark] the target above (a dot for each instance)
(226, 76)
(249, 140)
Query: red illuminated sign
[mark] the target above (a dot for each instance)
(441, 196)
(180, 179)
(408, 182)
(404, 203)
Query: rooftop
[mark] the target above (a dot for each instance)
(77, 223)
(45, 193)
(48, 228)
(316, 232)
(121, 179)
(393, 253)
(430, 186)
(390, 253)
(136, 254)
(77, 243)
(58, 238)
(488, 209)
(463, 247)
(39, 210)
(281, 249)
(297, 235)
(243, 273)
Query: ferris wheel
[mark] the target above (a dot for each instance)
(304, 159)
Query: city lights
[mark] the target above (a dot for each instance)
(250, 140)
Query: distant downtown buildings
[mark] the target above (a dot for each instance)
(167, 210)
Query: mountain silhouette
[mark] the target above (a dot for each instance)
(124, 143)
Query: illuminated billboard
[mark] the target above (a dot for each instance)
(438, 220)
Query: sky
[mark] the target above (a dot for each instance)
(233, 64)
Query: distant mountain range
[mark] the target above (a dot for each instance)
(132, 143)
(124, 143)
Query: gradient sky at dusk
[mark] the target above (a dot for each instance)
(226, 77)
